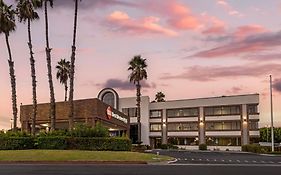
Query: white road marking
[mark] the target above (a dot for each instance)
(200, 159)
(254, 161)
(222, 160)
(230, 160)
(192, 159)
(238, 160)
(215, 160)
(207, 159)
(185, 159)
(246, 161)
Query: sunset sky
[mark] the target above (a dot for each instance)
(199, 48)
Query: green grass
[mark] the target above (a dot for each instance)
(77, 155)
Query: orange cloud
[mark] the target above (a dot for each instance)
(120, 21)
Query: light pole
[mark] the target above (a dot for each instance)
(266, 132)
(271, 107)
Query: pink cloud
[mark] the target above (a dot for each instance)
(250, 44)
(178, 15)
(247, 30)
(121, 21)
(213, 25)
(229, 9)
(212, 73)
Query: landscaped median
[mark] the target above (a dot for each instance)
(78, 156)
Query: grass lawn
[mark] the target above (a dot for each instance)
(77, 155)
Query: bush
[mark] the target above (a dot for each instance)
(16, 143)
(140, 148)
(254, 148)
(203, 146)
(52, 142)
(84, 143)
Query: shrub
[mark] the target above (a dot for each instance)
(203, 146)
(52, 142)
(83, 130)
(84, 143)
(16, 143)
(254, 148)
(168, 146)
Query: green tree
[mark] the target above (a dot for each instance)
(8, 25)
(71, 77)
(138, 66)
(63, 68)
(160, 97)
(49, 67)
(26, 12)
(265, 134)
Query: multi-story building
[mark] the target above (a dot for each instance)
(216, 121)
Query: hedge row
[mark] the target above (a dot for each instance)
(255, 148)
(64, 142)
(16, 143)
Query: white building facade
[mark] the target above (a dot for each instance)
(216, 121)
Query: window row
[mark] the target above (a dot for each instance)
(130, 112)
(222, 110)
(253, 109)
(253, 125)
(182, 126)
(184, 112)
(218, 126)
(156, 114)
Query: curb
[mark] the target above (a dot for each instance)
(74, 162)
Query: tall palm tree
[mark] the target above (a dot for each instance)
(71, 77)
(8, 25)
(26, 12)
(160, 97)
(138, 66)
(63, 68)
(49, 67)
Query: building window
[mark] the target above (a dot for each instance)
(130, 112)
(220, 141)
(253, 109)
(220, 126)
(183, 141)
(184, 112)
(183, 126)
(108, 98)
(155, 127)
(253, 125)
(222, 110)
(156, 114)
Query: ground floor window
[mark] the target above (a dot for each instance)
(155, 142)
(183, 140)
(134, 133)
(254, 140)
(223, 141)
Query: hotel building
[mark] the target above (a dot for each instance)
(229, 121)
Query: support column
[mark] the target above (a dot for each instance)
(244, 126)
(164, 127)
(201, 121)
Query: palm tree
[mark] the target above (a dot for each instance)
(138, 67)
(8, 25)
(49, 67)
(71, 77)
(26, 12)
(63, 68)
(160, 97)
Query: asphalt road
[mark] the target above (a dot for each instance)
(201, 157)
(138, 169)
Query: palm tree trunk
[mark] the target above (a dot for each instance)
(13, 83)
(71, 86)
(138, 86)
(49, 66)
(33, 75)
(65, 91)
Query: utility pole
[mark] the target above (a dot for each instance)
(271, 108)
